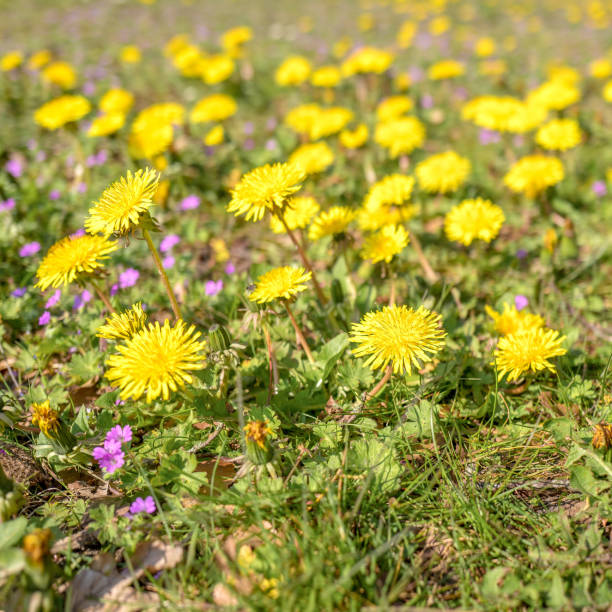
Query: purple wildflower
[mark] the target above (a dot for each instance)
(14, 167)
(41, 156)
(128, 278)
(599, 188)
(146, 505)
(114, 288)
(248, 128)
(190, 202)
(19, 292)
(486, 136)
(117, 435)
(82, 187)
(109, 460)
(520, 301)
(54, 299)
(271, 123)
(271, 144)
(213, 287)
(44, 318)
(31, 248)
(230, 268)
(427, 101)
(89, 88)
(521, 254)
(81, 300)
(168, 262)
(7, 204)
(168, 242)
(55, 194)
(80, 232)
(249, 144)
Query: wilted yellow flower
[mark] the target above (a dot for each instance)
(72, 259)
(11, 60)
(39, 59)
(298, 214)
(400, 136)
(280, 284)
(326, 76)
(511, 320)
(330, 222)
(265, 189)
(216, 107)
(398, 336)
(443, 173)
(353, 139)
(217, 68)
(294, 70)
(445, 69)
(367, 60)
(106, 124)
(156, 360)
(121, 205)
(385, 244)
(214, 136)
(123, 326)
(312, 158)
(257, 432)
(473, 219)
(527, 351)
(550, 240)
(533, 174)
(60, 111)
(45, 417)
(36, 546)
(130, 54)
(602, 436)
(559, 135)
(393, 107)
(61, 74)
(116, 101)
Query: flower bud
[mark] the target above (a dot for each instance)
(11, 498)
(218, 339)
(259, 449)
(337, 292)
(49, 423)
(602, 436)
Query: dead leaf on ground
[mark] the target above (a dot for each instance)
(101, 588)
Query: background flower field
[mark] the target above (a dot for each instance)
(305, 306)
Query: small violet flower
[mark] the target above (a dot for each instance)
(54, 299)
(31, 248)
(168, 242)
(190, 202)
(19, 292)
(146, 505)
(14, 167)
(599, 188)
(168, 262)
(81, 300)
(213, 287)
(109, 460)
(44, 318)
(128, 278)
(520, 301)
(7, 205)
(117, 435)
(55, 194)
(230, 268)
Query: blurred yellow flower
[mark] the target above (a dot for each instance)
(215, 107)
(60, 111)
(39, 59)
(393, 107)
(106, 124)
(130, 54)
(11, 60)
(116, 101)
(559, 135)
(215, 136)
(385, 244)
(61, 74)
(326, 76)
(443, 173)
(406, 34)
(485, 46)
(400, 136)
(445, 69)
(330, 222)
(367, 60)
(294, 70)
(298, 214)
(511, 320)
(473, 219)
(217, 68)
(353, 139)
(555, 95)
(312, 158)
(600, 68)
(280, 284)
(533, 174)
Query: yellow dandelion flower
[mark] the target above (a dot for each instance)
(527, 351)
(302, 118)
(533, 174)
(45, 417)
(445, 69)
(402, 81)
(280, 284)
(554, 95)
(607, 92)
(473, 219)
(329, 121)
(439, 25)
(394, 189)
(11, 60)
(443, 173)
(298, 214)
(130, 54)
(37, 545)
(61, 74)
(312, 158)
(400, 136)
(217, 68)
(504, 114)
(60, 111)
(493, 67)
(367, 60)
(233, 39)
(121, 205)
(400, 336)
(485, 46)
(353, 139)
(326, 76)
(116, 101)
(294, 70)
(39, 59)
(265, 189)
(511, 320)
(106, 124)
(216, 107)
(165, 113)
(156, 360)
(330, 222)
(406, 33)
(150, 140)
(257, 432)
(215, 136)
(373, 217)
(71, 259)
(559, 135)
(385, 244)
(393, 107)
(600, 68)
(122, 326)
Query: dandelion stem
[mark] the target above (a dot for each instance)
(160, 268)
(105, 299)
(273, 378)
(379, 385)
(305, 261)
(299, 333)
(392, 290)
(429, 272)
